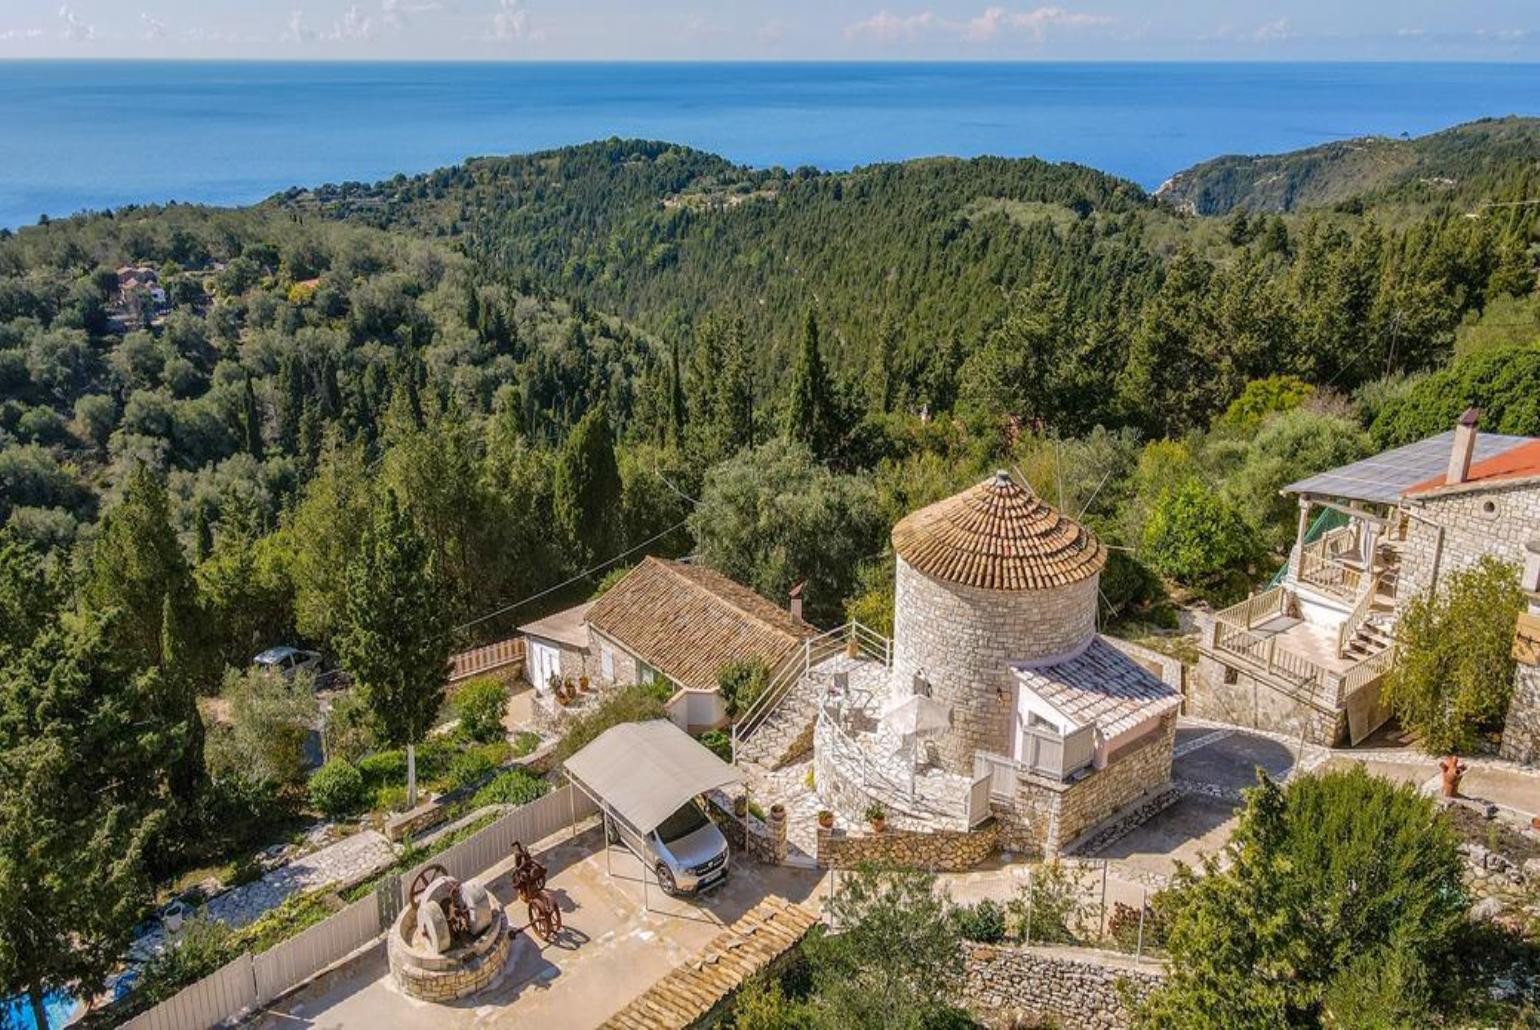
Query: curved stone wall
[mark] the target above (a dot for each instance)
(962, 640)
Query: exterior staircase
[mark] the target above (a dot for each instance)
(1374, 634)
(786, 734)
(778, 727)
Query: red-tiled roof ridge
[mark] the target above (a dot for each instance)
(1521, 462)
(745, 599)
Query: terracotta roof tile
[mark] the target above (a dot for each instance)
(998, 535)
(687, 621)
(1521, 462)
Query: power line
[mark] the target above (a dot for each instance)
(573, 579)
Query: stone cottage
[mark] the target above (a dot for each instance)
(1308, 656)
(673, 621)
(995, 698)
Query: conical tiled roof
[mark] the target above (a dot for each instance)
(998, 536)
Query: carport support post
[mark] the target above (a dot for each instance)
(609, 862)
(572, 803)
(643, 864)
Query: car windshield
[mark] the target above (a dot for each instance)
(682, 823)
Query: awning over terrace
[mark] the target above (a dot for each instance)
(644, 771)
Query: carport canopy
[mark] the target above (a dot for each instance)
(645, 771)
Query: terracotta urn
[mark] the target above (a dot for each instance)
(826, 819)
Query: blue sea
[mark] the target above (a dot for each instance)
(77, 135)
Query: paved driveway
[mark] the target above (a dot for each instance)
(1227, 759)
(610, 952)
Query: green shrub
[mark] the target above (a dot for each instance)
(468, 769)
(202, 947)
(636, 703)
(1454, 678)
(337, 788)
(1196, 538)
(524, 743)
(514, 787)
(741, 682)
(983, 921)
(1051, 901)
(390, 798)
(481, 705)
(718, 743)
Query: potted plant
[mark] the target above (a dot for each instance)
(741, 805)
(825, 819)
(583, 684)
(877, 816)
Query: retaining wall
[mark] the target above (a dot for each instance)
(1016, 986)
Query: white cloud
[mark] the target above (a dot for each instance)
(989, 24)
(151, 27)
(9, 34)
(354, 24)
(511, 21)
(1273, 31)
(1034, 24)
(74, 28)
(396, 13)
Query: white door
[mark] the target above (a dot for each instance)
(545, 662)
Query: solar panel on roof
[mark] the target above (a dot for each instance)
(1383, 478)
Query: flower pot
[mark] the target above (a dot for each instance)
(879, 824)
(583, 684)
(826, 820)
(740, 807)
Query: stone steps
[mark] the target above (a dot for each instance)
(788, 732)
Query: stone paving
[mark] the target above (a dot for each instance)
(351, 860)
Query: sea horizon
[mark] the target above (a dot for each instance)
(95, 134)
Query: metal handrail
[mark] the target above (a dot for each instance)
(795, 666)
(915, 807)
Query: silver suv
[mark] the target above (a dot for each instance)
(687, 851)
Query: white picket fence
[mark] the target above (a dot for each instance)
(250, 980)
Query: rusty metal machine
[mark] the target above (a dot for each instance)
(448, 912)
(528, 878)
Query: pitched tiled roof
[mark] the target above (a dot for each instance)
(1516, 463)
(1100, 685)
(998, 535)
(687, 621)
(689, 992)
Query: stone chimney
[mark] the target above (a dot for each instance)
(796, 599)
(1464, 447)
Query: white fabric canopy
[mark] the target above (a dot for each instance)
(644, 771)
(916, 714)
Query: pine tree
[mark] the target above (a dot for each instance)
(735, 393)
(588, 487)
(395, 638)
(290, 400)
(81, 756)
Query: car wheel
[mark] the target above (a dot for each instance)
(666, 880)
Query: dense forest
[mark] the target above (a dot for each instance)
(534, 369)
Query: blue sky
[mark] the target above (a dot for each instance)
(1501, 30)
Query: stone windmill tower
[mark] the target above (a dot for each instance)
(988, 579)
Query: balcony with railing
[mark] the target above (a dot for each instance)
(1266, 636)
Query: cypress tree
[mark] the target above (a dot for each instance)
(588, 487)
(395, 637)
(810, 411)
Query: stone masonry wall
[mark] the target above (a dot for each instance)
(1470, 531)
(1048, 816)
(942, 851)
(962, 641)
(1256, 705)
(1014, 986)
(1521, 732)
